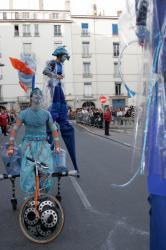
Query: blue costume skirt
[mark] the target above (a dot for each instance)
(38, 148)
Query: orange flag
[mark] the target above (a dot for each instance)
(21, 66)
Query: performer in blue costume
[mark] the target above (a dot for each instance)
(58, 108)
(34, 143)
(155, 155)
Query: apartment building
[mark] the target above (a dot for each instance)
(92, 41)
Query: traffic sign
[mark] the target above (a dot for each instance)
(103, 99)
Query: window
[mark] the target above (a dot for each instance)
(145, 69)
(116, 49)
(26, 30)
(4, 15)
(1, 76)
(144, 88)
(16, 15)
(27, 49)
(88, 89)
(116, 69)
(36, 30)
(114, 29)
(16, 30)
(85, 48)
(117, 88)
(25, 15)
(57, 30)
(55, 15)
(86, 68)
(84, 27)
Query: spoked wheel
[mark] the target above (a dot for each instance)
(45, 224)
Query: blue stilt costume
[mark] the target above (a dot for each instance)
(155, 157)
(58, 108)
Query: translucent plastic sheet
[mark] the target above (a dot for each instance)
(149, 147)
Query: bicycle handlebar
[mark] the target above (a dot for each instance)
(39, 163)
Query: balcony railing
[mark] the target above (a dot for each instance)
(86, 55)
(26, 34)
(58, 34)
(85, 33)
(87, 75)
(36, 34)
(16, 33)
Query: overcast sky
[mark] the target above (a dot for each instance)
(109, 7)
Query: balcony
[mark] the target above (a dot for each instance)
(85, 33)
(87, 55)
(16, 33)
(116, 75)
(36, 34)
(27, 34)
(58, 34)
(87, 75)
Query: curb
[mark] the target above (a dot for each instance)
(108, 138)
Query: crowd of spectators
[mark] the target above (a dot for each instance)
(94, 117)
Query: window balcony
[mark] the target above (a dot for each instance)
(85, 33)
(116, 54)
(86, 55)
(36, 34)
(116, 75)
(58, 34)
(87, 75)
(87, 96)
(16, 33)
(27, 34)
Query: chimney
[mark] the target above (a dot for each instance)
(67, 5)
(119, 12)
(10, 4)
(41, 5)
(94, 7)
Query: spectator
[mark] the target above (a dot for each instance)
(107, 119)
(4, 120)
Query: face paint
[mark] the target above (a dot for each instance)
(63, 58)
(36, 99)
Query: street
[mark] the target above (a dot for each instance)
(97, 215)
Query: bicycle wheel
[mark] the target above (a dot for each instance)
(46, 224)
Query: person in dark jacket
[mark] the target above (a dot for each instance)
(107, 119)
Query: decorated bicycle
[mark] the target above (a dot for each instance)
(36, 160)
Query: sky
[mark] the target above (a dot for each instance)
(110, 7)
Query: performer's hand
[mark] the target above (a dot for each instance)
(57, 147)
(10, 150)
(57, 150)
(59, 77)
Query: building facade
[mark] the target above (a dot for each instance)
(92, 41)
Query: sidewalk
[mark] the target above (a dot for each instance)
(122, 136)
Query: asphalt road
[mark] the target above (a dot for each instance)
(97, 216)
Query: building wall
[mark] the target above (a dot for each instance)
(100, 56)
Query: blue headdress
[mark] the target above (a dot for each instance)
(59, 51)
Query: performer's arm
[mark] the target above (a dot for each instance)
(48, 71)
(55, 135)
(12, 136)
